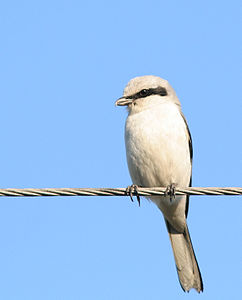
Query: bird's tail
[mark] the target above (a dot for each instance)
(186, 263)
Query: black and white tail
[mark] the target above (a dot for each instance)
(186, 263)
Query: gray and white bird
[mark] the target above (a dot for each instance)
(159, 154)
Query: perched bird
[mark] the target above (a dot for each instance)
(159, 154)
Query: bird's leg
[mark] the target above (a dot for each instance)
(171, 191)
(133, 189)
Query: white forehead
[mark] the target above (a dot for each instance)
(145, 82)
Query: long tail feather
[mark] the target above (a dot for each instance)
(186, 263)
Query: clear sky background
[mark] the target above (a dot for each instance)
(63, 64)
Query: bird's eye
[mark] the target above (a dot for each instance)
(143, 92)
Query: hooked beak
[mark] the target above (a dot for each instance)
(123, 101)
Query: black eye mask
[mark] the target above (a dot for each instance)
(148, 92)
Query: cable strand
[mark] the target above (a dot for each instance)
(156, 191)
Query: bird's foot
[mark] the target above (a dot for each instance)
(130, 190)
(171, 191)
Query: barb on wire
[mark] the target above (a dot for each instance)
(155, 191)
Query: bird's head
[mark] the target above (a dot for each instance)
(143, 92)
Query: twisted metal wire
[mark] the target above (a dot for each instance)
(156, 191)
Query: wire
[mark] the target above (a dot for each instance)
(157, 191)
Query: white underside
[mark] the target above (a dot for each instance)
(157, 150)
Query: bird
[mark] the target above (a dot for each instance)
(159, 153)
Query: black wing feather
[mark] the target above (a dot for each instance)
(191, 157)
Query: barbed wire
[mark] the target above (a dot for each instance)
(154, 191)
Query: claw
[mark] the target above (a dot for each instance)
(133, 189)
(171, 191)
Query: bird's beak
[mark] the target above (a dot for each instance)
(123, 101)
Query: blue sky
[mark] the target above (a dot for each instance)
(62, 66)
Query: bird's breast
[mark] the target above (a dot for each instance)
(157, 147)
